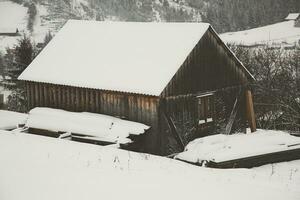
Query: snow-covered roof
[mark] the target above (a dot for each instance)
(131, 57)
(8, 30)
(11, 120)
(220, 147)
(90, 124)
(292, 16)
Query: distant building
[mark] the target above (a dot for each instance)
(165, 75)
(294, 17)
(9, 32)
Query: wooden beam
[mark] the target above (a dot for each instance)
(1, 101)
(232, 115)
(258, 160)
(250, 111)
(174, 130)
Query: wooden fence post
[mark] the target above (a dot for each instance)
(250, 111)
(1, 101)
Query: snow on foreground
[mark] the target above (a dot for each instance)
(221, 147)
(35, 167)
(284, 33)
(11, 120)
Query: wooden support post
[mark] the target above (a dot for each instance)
(1, 101)
(232, 115)
(250, 111)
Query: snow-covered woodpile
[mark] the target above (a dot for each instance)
(85, 125)
(82, 127)
(261, 145)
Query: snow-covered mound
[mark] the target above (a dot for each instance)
(11, 120)
(90, 124)
(221, 147)
(34, 167)
(283, 33)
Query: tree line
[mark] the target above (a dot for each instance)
(12, 63)
(235, 15)
(276, 90)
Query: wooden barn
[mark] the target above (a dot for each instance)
(178, 78)
(9, 32)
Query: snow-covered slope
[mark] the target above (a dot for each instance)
(35, 167)
(51, 15)
(12, 16)
(283, 34)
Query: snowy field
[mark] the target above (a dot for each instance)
(12, 16)
(36, 167)
(283, 33)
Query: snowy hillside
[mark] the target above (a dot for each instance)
(36, 18)
(12, 16)
(38, 167)
(283, 34)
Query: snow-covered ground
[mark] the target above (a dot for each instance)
(12, 16)
(221, 147)
(283, 33)
(35, 167)
(11, 120)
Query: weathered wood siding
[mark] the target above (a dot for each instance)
(132, 107)
(209, 67)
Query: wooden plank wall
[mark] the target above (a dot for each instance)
(139, 108)
(209, 67)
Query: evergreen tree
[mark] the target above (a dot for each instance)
(16, 60)
(2, 67)
(47, 38)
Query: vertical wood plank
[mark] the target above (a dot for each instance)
(250, 111)
(77, 99)
(28, 95)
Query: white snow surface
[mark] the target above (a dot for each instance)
(131, 57)
(97, 125)
(11, 120)
(292, 16)
(12, 16)
(34, 167)
(283, 33)
(221, 147)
